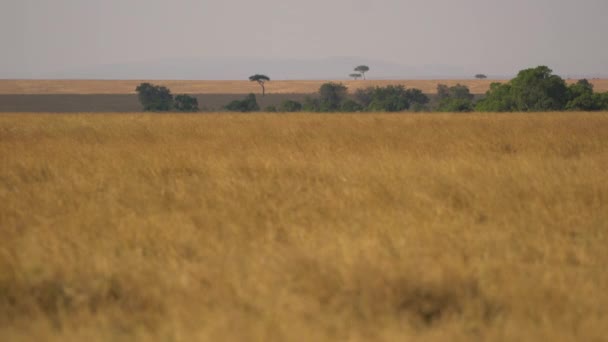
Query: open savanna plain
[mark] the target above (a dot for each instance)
(304, 227)
(77, 96)
(88, 87)
(114, 87)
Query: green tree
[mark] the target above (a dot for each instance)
(458, 91)
(154, 98)
(602, 100)
(362, 69)
(581, 97)
(364, 96)
(261, 79)
(248, 104)
(498, 99)
(537, 89)
(585, 102)
(533, 90)
(331, 96)
(389, 99)
(481, 76)
(457, 98)
(416, 96)
(186, 103)
(580, 88)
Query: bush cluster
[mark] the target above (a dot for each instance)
(534, 89)
(155, 98)
(248, 104)
(332, 97)
(537, 89)
(456, 98)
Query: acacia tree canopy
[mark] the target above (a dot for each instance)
(355, 75)
(261, 79)
(362, 69)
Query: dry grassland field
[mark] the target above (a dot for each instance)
(304, 227)
(100, 87)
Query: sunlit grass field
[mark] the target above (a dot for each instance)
(304, 227)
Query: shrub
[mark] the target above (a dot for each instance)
(416, 96)
(331, 96)
(364, 96)
(456, 98)
(534, 89)
(537, 89)
(498, 99)
(186, 103)
(389, 99)
(311, 104)
(581, 97)
(248, 104)
(458, 91)
(154, 98)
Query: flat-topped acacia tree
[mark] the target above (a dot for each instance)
(362, 69)
(261, 79)
(355, 76)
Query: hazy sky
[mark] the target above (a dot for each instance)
(498, 37)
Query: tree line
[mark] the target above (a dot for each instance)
(534, 89)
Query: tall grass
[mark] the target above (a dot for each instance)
(304, 227)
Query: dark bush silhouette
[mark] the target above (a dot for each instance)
(533, 90)
(331, 96)
(185, 103)
(390, 98)
(248, 104)
(456, 98)
(364, 96)
(154, 98)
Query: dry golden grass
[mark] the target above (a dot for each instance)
(137, 227)
(231, 87)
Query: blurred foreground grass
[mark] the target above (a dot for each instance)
(304, 227)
